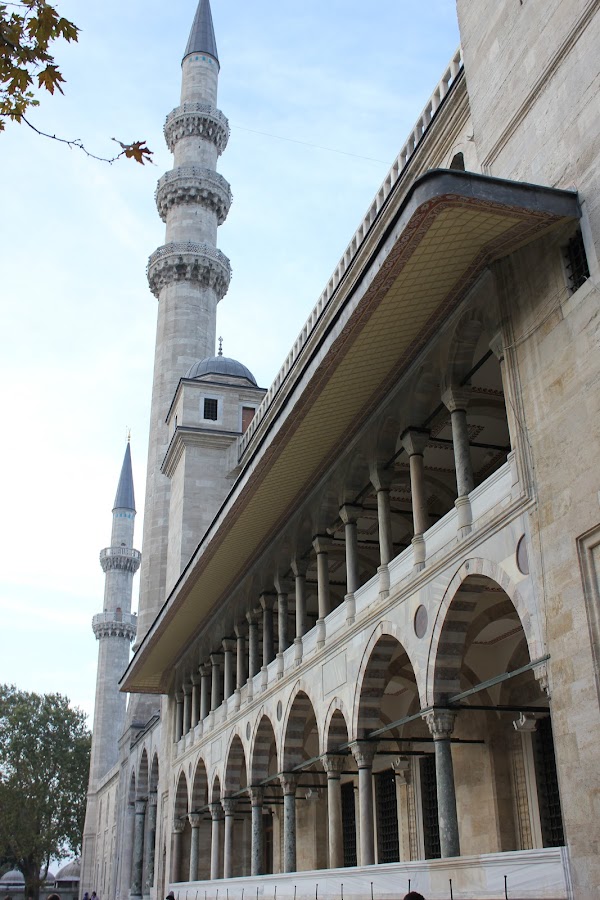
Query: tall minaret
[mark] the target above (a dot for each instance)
(188, 275)
(114, 628)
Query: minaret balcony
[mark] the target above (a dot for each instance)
(197, 120)
(187, 261)
(193, 184)
(115, 624)
(124, 558)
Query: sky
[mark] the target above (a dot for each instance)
(320, 97)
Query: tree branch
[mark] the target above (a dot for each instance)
(136, 150)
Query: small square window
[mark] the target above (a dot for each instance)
(576, 263)
(210, 409)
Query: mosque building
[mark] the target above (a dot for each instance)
(367, 646)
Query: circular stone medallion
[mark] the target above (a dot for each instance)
(421, 621)
(248, 731)
(279, 710)
(522, 556)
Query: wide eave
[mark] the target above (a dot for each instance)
(415, 265)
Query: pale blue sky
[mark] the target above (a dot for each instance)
(78, 320)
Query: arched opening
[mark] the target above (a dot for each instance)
(182, 833)
(458, 162)
(405, 818)
(301, 744)
(263, 766)
(236, 782)
(503, 755)
(200, 808)
(339, 758)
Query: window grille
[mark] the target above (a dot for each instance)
(210, 408)
(431, 828)
(387, 817)
(576, 263)
(349, 824)
(547, 785)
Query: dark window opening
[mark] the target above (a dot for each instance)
(431, 828)
(247, 416)
(547, 785)
(388, 846)
(576, 262)
(268, 843)
(349, 824)
(210, 409)
(458, 162)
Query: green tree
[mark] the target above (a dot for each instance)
(28, 29)
(44, 765)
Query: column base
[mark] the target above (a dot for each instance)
(320, 626)
(279, 659)
(237, 702)
(298, 651)
(418, 544)
(264, 678)
(350, 605)
(384, 581)
(464, 516)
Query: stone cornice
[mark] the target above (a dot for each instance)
(188, 261)
(193, 184)
(125, 558)
(197, 120)
(196, 437)
(114, 624)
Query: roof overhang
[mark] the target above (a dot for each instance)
(420, 260)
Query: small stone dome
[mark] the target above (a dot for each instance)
(220, 365)
(14, 877)
(70, 872)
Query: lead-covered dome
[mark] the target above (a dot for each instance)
(222, 366)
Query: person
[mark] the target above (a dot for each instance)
(414, 895)
(94, 896)
(170, 896)
(86, 896)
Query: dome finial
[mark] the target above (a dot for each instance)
(220, 346)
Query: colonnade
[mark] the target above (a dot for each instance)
(144, 844)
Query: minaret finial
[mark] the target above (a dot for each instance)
(220, 346)
(128, 429)
(202, 35)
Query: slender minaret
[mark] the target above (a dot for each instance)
(114, 628)
(188, 275)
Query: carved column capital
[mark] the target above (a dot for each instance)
(321, 543)
(187, 687)
(289, 783)
(240, 629)
(440, 723)
(333, 763)
(299, 567)
(456, 397)
(195, 819)
(216, 811)
(178, 826)
(228, 644)
(381, 478)
(364, 753)
(414, 441)
(229, 805)
(255, 792)
(267, 600)
(349, 513)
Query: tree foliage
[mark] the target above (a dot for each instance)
(44, 765)
(28, 29)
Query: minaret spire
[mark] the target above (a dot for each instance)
(188, 275)
(125, 498)
(202, 35)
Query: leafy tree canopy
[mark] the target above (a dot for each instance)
(28, 28)
(44, 765)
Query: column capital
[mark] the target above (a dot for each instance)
(240, 629)
(216, 811)
(205, 670)
(140, 807)
(381, 478)
(252, 617)
(267, 600)
(229, 805)
(289, 783)
(152, 798)
(216, 659)
(349, 513)
(283, 585)
(195, 819)
(179, 696)
(299, 567)
(456, 397)
(178, 825)
(414, 441)
(321, 543)
(401, 767)
(440, 723)
(255, 792)
(187, 687)
(228, 644)
(364, 753)
(333, 763)
(527, 722)
(195, 678)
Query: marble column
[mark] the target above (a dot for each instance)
(178, 828)
(150, 848)
(381, 479)
(364, 754)
(229, 646)
(283, 639)
(441, 726)
(349, 515)
(187, 707)
(321, 546)
(289, 783)
(204, 691)
(333, 765)
(267, 602)
(456, 400)
(138, 848)
(216, 814)
(299, 567)
(178, 716)
(253, 664)
(195, 820)
(229, 805)
(256, 800)
(215, 695)
(195, 699)
(415, 441)
(240, 669)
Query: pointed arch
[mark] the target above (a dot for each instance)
(236, 770)
(154, 774)
(264, 750)
(301, 732)
(181, 807)
(199, 786)
(143, 776)
(336, 728)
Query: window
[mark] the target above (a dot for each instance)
(458, 162)
(547, 784)
(387, 817)
(349, 824)
(576, 264)
(211, 408)
(431, 830)
(247, 416)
